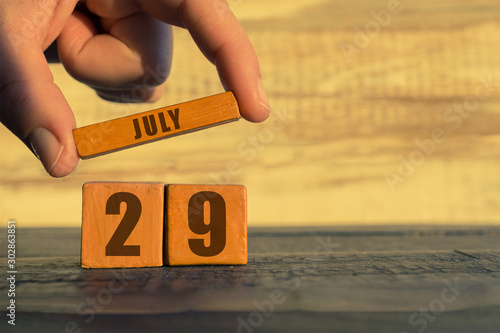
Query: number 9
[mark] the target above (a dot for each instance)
(216, 225)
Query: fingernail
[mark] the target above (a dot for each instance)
(263, 100)
(46, 147)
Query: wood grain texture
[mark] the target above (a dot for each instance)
(349, 279)
(206, 225)
(336, 128)
(131, 214)
(150, 126)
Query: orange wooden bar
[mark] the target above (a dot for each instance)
(130, 131)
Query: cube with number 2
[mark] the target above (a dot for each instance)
(122, 224)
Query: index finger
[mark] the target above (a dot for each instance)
(223, 41)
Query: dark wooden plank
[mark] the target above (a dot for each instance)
(314, 279)
(485, 320)
(372, 282)
(42, 242)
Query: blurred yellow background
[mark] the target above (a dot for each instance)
(384, 112)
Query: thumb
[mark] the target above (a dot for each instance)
(34, 108)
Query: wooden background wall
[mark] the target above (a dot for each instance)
(342, 122)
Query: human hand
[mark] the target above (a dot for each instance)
(133, 36)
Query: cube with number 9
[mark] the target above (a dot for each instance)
(206, 225)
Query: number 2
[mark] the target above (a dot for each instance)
(115, 246)
(216, 226)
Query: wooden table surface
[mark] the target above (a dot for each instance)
(335, 279)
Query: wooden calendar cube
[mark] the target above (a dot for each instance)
(122, 224)
(206, 225)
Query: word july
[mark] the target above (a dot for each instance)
(150, 127)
